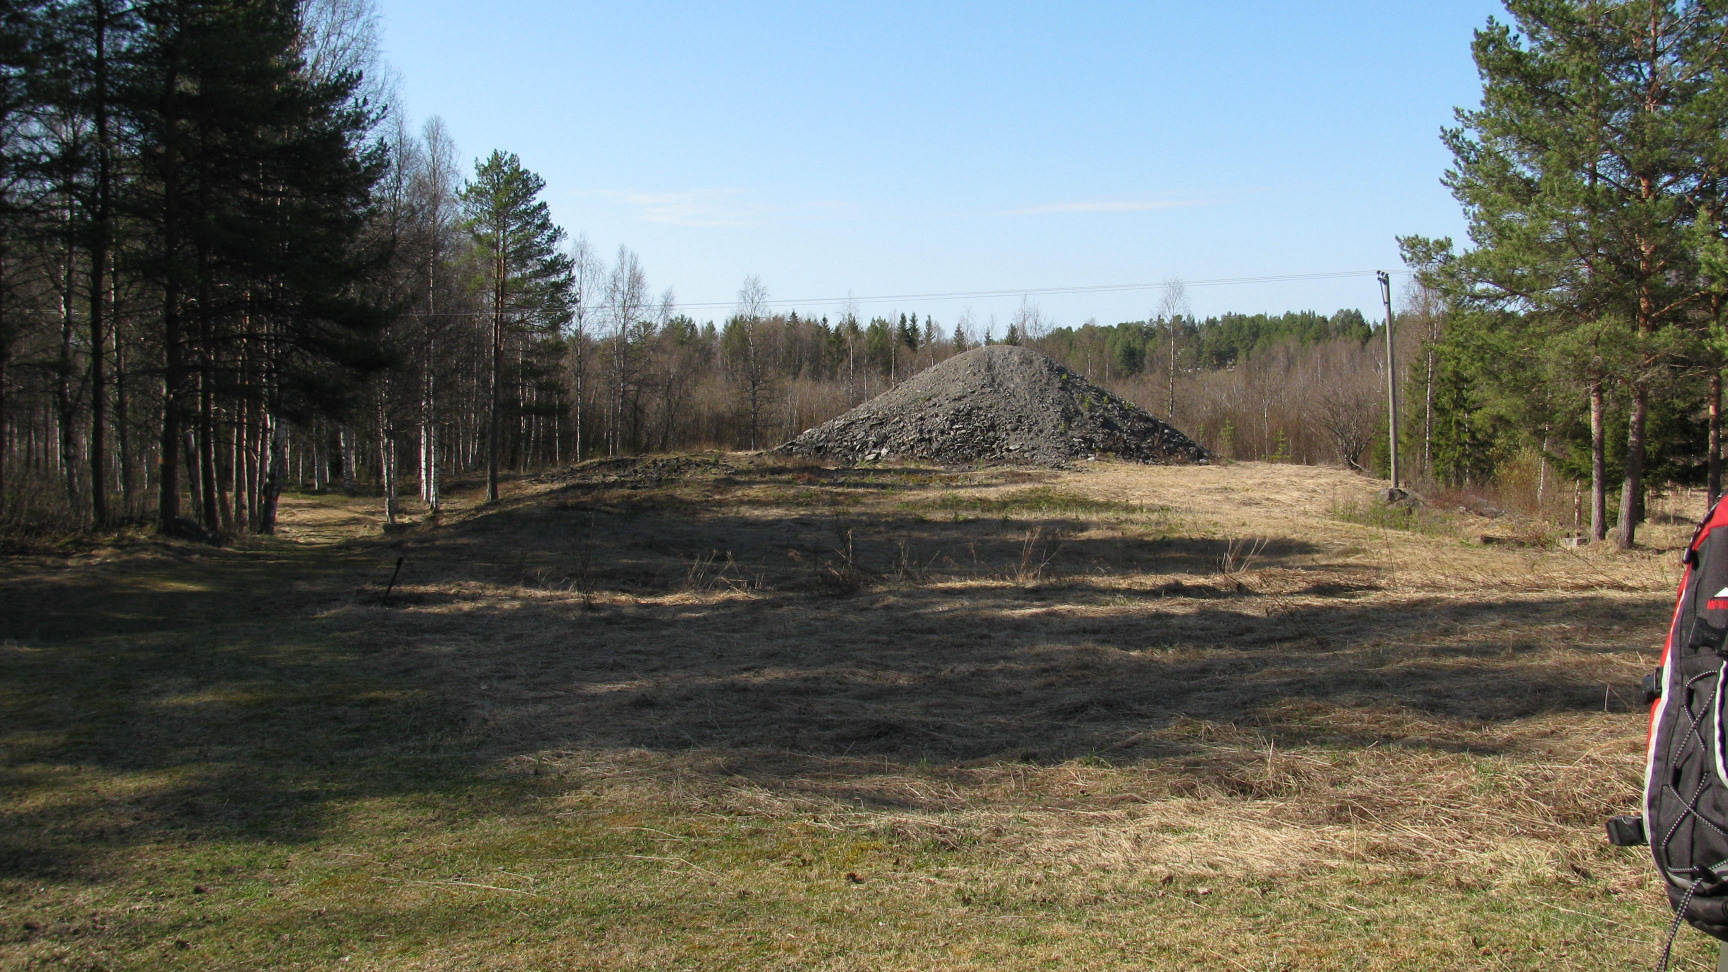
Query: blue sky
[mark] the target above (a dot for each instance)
(901, 149)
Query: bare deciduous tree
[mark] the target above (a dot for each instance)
(1347, 408)
(749, 364)
(340, 37)
(849, 325)
(626, 298)
(588, 275)
(1172, 309)
(435, 185)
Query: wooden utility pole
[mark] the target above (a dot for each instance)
(1391, 378)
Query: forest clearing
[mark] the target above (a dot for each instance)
(1029, 521)
(719, 711)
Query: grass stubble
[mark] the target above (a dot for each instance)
(729, 713)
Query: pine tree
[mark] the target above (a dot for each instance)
(1597, 147)
(251, 190)
(527, 281)
(20, 57)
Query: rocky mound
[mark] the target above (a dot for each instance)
(996, 404)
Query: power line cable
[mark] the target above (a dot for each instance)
(1022, 292)
(1045, 291)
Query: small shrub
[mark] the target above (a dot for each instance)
(840, 573)
(708, 574)
(1387, 517)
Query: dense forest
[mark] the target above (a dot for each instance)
(230, 266)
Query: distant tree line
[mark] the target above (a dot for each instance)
(1295, 387)
(229, 268)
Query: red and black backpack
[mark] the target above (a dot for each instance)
(1685, 818)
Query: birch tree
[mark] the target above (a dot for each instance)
(1171, 308)
(587, 298)
(626, 300)
(435, 185)
(749, 362)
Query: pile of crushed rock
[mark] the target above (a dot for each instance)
(996, 404)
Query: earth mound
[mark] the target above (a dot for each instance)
(996, 404)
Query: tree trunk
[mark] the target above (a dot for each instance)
(63, 391)
(173, 377)
(1428, 416)
(257, 460)
(99, 272)
(194, 471)
(753, 376)
(276, 471)
(1170, 398)
(1632, 486)
(5, 355)
(1715, 459)
(497, 391)
(207, 479)
(236, 504)
(168, 487)
(65, 420)
(576, 419)
(345, 439)
(429, 431)
(618, 380)
(1598, 465)
(1542, 472)
(527, 424)
(211, 513)
(222, 450)
(5, 433)
(168, 459)
(387, 453)
(98, 401)
(122, 418)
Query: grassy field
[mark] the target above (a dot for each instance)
(709, 712)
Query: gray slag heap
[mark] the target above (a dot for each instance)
(996, 404)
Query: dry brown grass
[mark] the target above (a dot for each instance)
(726, 713)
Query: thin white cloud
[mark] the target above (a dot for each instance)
(698, 207)
(718, 207)
(1106, 206)
(826, 209)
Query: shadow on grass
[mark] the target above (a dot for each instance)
(243, 695)
(647, 544)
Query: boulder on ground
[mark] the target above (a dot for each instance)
(996, 404)
(1393, 496)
